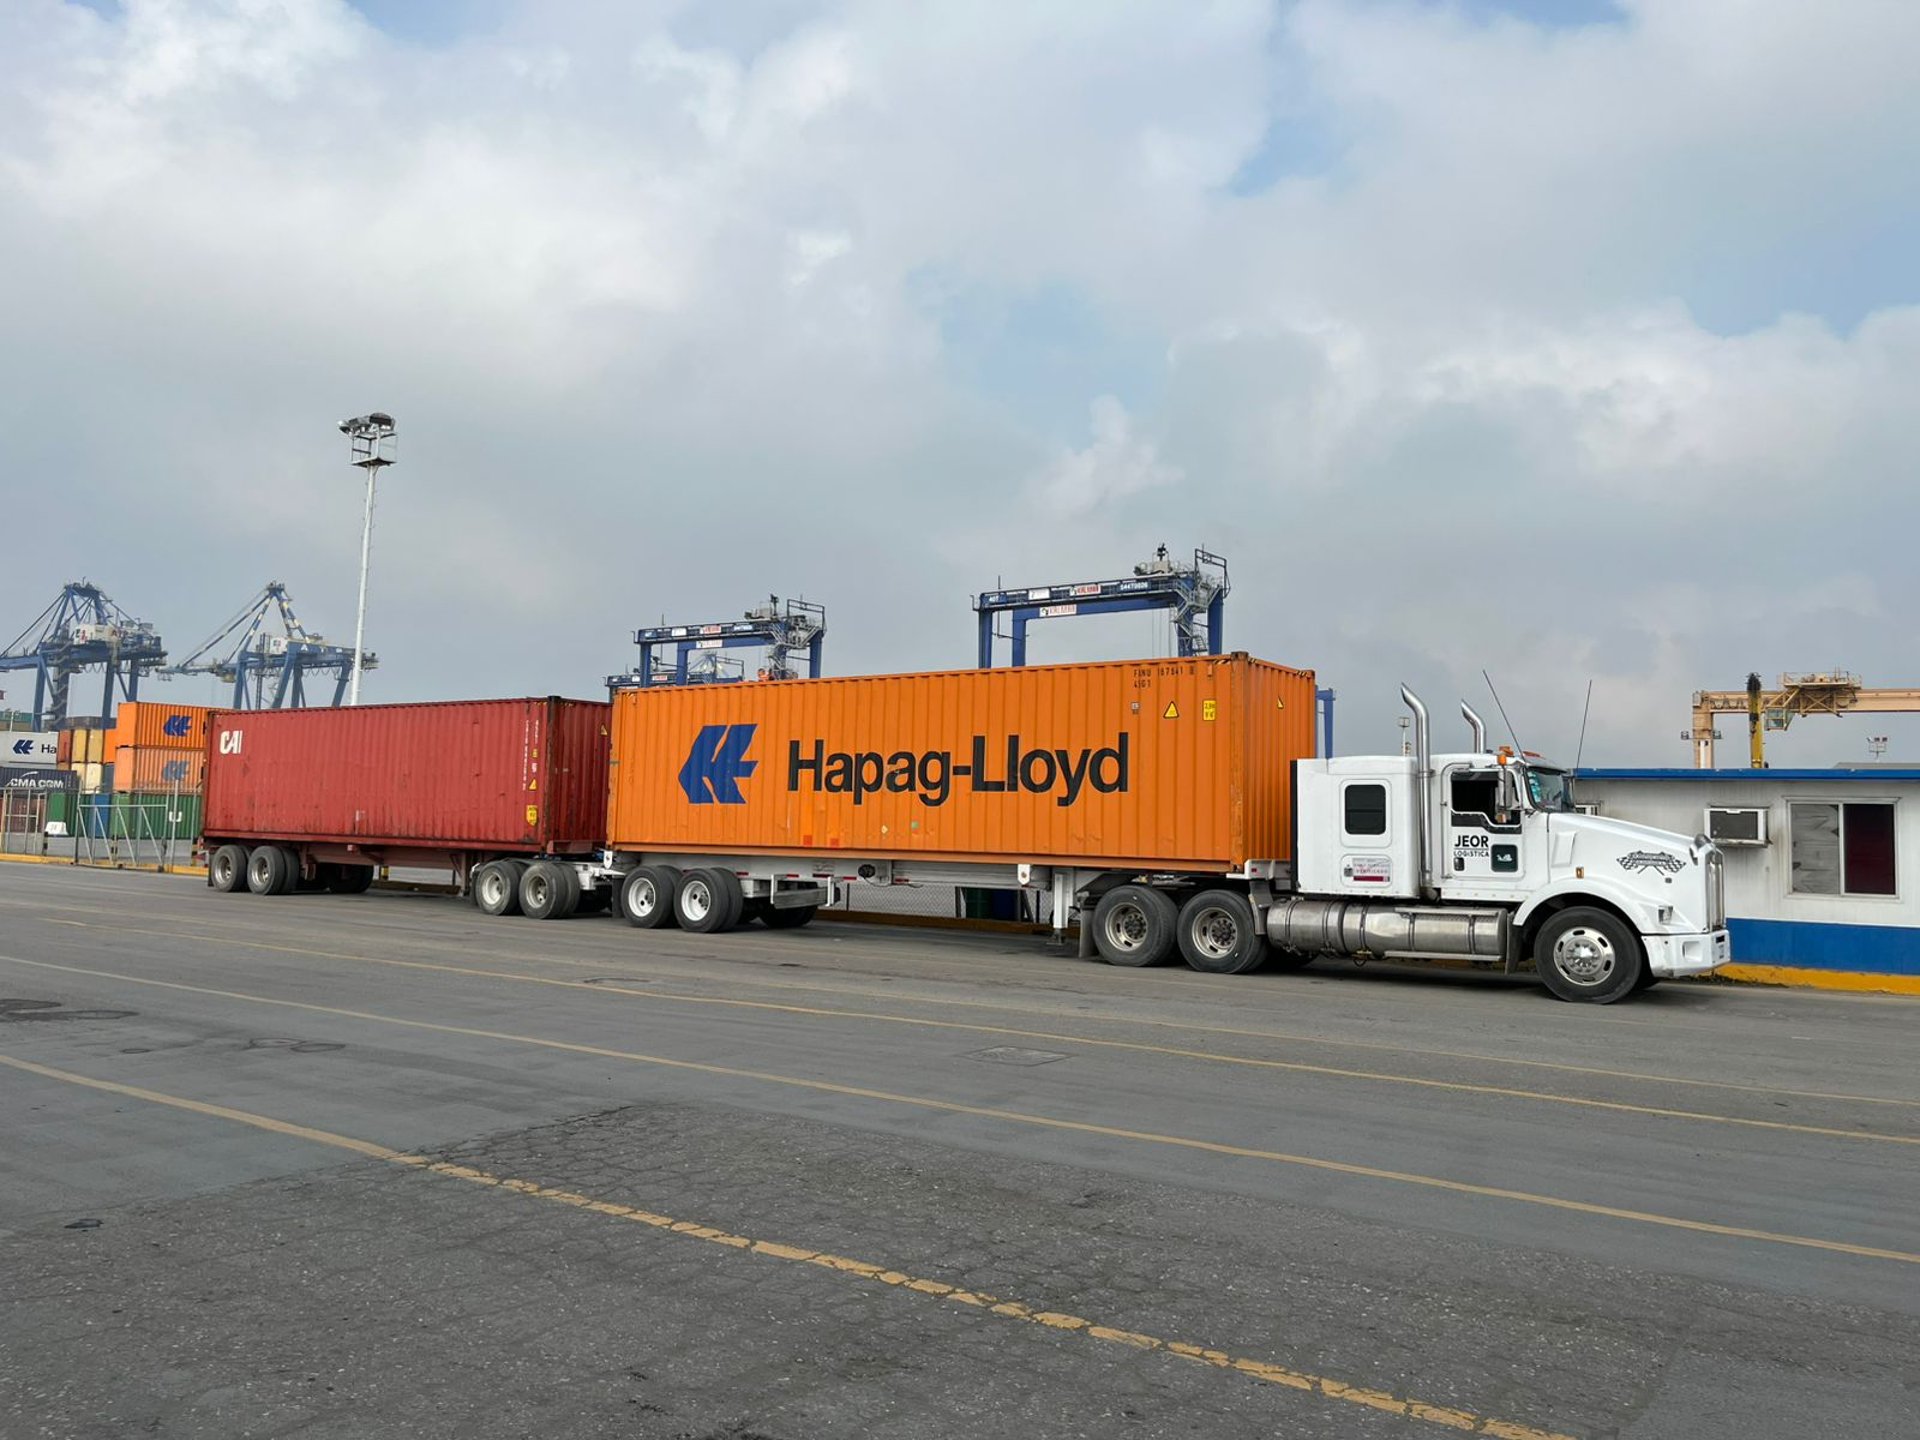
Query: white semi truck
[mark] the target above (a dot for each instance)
(1479, 856)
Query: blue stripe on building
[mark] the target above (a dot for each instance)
(1816, 945)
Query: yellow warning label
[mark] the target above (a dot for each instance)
(533, 814)
(1209, 709)
(1172, 712)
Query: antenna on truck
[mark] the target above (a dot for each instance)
(1503, 712)
(1581, 749)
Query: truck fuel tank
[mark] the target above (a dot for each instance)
(1348, 927)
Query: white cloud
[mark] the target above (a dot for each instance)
(648, 297)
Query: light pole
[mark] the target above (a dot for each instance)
(371, 437)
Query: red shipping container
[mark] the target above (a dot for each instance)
(525, 776)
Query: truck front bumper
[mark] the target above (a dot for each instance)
(1687, 954)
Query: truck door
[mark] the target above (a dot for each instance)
(1483, 849)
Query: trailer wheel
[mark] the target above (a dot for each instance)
(227, 872)
(1587, 955)
(496, 888)
(350, 879)
(791, 918)
(1134, 925)
(1217, 934)
(709, 900)
(549, 891)
(268, 871)
(646, 896)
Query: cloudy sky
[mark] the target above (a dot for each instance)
(1570, 339)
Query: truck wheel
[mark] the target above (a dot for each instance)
(350, 879)
(708, 901)
(1134, 925)
(791, 918)
(228, 870)
(1588, 955)
(267, 871)
(1217, 935)
(548, 891)
(496, 888)
(646, 896)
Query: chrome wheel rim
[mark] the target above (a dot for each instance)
(258, 873)
(696, 901)
(1584, 957)
(1216, 934)
(538, 891)
(1126, 927)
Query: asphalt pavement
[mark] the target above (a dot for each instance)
(351, 1166)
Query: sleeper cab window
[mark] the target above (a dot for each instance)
(1365, 809)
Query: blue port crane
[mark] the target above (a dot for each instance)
(1196, 594)
(786, 630)
(80, 630)
(266, 654)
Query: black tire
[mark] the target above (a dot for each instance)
(350, 879)
(708, 901)
(496, 888)
(790, 918)
(594, 902)
(1588, 956)
(227, 870)
(647, 895)
(754, 909)
(1217, 935)
(268, 872)
(549, 891)
(1134, 925)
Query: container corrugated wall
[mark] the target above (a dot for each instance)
(149, 725)
(1180, 763)
(139, 770)
(526, 775)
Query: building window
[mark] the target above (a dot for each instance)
(1843, 849)
(1366, 807)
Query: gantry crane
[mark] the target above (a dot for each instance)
(1832, 693)
(785, 629)
(267, 665)
(81, 629)
(1196, 594)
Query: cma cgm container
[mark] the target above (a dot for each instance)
(323, 796)
(764, 799)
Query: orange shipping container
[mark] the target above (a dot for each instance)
(142, 770)
(1178, 764)
(150, 725)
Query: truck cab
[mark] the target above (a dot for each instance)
(1483, 854)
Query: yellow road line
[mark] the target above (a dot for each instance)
(1177, 1026)
(1444, 1415)
(1016, 1117)
(1056, 1037)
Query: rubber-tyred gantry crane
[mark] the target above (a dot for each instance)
(785, 630)
(1828, 693)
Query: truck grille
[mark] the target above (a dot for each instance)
(1716, 890)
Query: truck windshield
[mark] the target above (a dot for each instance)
(1549, 789)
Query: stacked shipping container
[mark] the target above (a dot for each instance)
(159, 768)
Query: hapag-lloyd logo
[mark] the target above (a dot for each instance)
(1007, 768)
(717, 762)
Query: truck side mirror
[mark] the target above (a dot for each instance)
(1509, 793)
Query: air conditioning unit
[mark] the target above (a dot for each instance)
(1727, 825)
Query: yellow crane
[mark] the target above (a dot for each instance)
(1834, 693)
